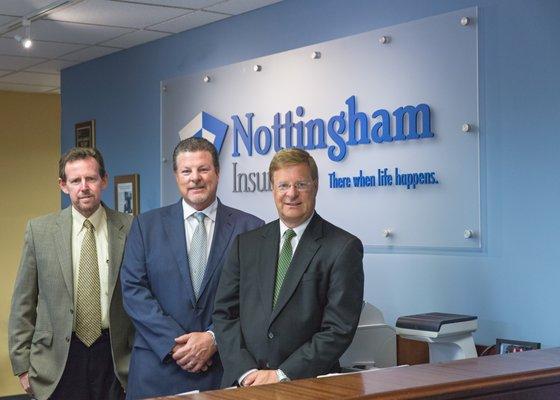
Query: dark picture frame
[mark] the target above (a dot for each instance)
(85, 133)
(505, 346)
(127, 193)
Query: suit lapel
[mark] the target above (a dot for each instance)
(305, 251)
(63, 240)
(267, 262)
(115, 238)
(174, 226)
(223, 230)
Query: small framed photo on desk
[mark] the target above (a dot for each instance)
(127, 194)
(505, 346)
(85, 133)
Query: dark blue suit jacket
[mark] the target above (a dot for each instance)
(159, 298)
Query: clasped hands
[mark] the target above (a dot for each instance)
(193, 351)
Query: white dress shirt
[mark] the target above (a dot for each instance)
(298, 230)
(99, 222)
(191, 223)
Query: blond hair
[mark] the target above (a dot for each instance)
(292, 156)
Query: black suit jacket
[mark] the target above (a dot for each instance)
(317, 311)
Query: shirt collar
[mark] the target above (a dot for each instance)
(96, 218)
(298, 229)
(209, 211)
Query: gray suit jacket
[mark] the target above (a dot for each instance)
(317, 311)
(42, 312)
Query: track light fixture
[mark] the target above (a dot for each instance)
(25, 41)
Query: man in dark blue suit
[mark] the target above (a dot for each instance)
(172, 265)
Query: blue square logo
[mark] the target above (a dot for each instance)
(206, 126)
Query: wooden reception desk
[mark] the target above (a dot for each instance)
(530, 375)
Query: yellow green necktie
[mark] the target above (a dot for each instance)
(88, 301)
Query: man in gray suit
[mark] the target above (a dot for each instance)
(290, 294)
(69, 337)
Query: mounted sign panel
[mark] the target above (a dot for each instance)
(390, 116)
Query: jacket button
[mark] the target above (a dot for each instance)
(270, 335)
(71, 311)
(67, 339)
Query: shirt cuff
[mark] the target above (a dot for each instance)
(213, 337)
(282, 377)
(242, 377)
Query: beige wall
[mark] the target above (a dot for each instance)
(29, 152)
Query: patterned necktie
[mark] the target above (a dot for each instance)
(197, 253)
(88, 302)
(284, 261)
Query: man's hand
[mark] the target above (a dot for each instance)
(193, 351)
(260, 377)
(24, 382)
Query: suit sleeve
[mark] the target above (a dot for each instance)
(340, 317)
(23, 313)
(156, 327)
(227, 327)
(251, 223)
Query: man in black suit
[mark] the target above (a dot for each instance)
(290, 294)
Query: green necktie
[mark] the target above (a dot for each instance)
(88, 301)
(284, 261)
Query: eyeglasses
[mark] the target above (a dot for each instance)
(299, 186)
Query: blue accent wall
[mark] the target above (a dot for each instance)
(513, 284)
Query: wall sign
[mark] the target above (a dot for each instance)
(390, 116)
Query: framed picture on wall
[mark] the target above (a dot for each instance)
(85, 133)
(505, 346)
(127, 193)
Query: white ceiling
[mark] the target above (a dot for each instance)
(69, 32)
